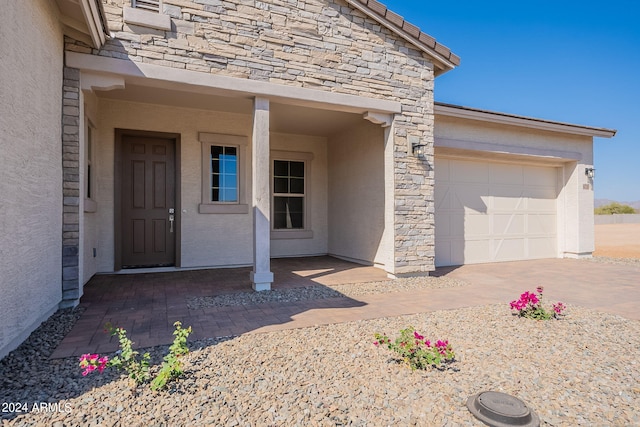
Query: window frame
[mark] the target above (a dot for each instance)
(146, 17)
(89, 189)
(143, 5)
(292, 156)
(208, 206)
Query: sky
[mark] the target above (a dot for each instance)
(567, 61)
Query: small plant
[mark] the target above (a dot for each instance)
(530, 306)
(172, 365)
(416, 351)
(92, 362)
(138, 368)
(127, 357)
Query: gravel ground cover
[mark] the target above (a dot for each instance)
(351, 290)
(614, 260)
(581, 370)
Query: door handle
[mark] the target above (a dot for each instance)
(171, 219)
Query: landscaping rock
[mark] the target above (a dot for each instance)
(581, 370)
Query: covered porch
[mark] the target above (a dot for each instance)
(207, 216)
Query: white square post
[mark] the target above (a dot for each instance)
(261, 276)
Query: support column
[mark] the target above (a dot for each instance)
(388, 235)
(261, 276)
(71, 188)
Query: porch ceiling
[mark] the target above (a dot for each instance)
(285, 118)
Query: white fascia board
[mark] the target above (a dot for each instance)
(528, 122)
(94, 22)
(194, 81)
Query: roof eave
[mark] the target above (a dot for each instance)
(84, 20)
(523, 121)
(96, 21)
(442, 57)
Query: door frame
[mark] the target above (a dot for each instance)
(117, 194)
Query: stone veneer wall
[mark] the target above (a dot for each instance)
(323, 45)
(70, 187)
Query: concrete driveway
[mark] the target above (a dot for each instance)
(612, 288)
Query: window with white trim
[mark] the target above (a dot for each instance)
(147, 13)
(223, 180)
(223, 177)
(288, 195)
(290, 189)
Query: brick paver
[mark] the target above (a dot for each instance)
(146, 305)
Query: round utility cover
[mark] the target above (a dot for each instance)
(501, 410)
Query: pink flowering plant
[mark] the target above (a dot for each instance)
(529, 305)
(92, 362)
(416, 351)
(137, 367)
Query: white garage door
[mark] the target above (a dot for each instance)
(488, 212)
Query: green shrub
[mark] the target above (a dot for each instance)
(614, 208)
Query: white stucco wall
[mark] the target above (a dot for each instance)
(30, 167)
(357, 194)
(206, 239)
(316, 199)
(570, 153)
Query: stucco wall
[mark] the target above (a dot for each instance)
(324, 45)
(475, 131)
(571, 153)
(357, 196)
(30, 167)
(317, 195)
(207, 239)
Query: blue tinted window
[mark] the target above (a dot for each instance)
(224, 174)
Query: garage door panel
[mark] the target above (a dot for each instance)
(443, 198)
(509, 249)
(511, 215)
(542, 224)
(539, 176)
(506, 174)
(541, 247)
(475, 225)
(443, 172)
(469, 172)
(542, 198)
(479, 250)
(507, 199)
(444, 227)
(508, 224)
(451, 252)
(469, 198)
(443, 254)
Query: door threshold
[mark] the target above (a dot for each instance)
(142, 270)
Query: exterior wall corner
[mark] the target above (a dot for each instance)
(72, 123)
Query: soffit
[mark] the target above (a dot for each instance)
(84, 19)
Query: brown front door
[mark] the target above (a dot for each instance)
(147, 201)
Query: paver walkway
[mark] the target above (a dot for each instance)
(147, 305)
